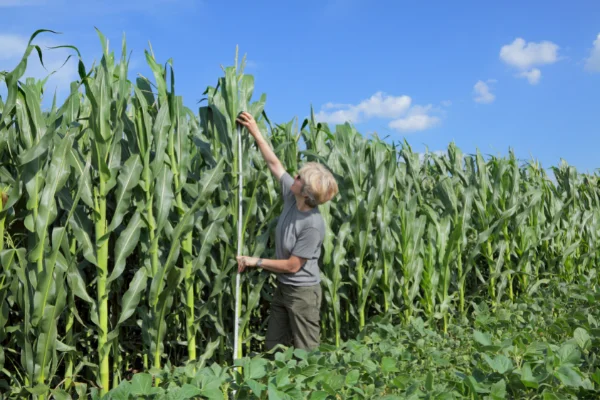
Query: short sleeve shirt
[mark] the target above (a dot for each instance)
(299, 233)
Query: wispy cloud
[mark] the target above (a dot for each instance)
(403, 116)
(533, 76)
(251, 65)
(417, 119)
(483, 92)
(13, 47)
(592, 63)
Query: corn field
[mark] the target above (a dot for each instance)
(118, 224)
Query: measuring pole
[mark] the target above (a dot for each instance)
(236, 343)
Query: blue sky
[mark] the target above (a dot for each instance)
(513, 74)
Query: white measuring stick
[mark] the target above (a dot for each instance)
(236, 344)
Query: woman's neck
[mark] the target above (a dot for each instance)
(301, 204)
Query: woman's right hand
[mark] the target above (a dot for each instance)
(246, 119)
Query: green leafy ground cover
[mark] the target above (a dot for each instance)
(545, 346)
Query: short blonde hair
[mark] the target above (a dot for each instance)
(319, 184)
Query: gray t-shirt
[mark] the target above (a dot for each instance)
(298, 233)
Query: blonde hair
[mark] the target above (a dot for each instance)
(319, 184)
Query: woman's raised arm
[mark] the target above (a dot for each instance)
(247, 120)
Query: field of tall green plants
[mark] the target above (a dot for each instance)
(119, 213)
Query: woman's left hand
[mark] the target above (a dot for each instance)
(245, 261)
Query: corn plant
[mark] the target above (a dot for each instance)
(119, 213)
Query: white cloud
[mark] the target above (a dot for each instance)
(532, 76)
(418, 118)
(525, 55)
(592, 63)
(13, 47)
(379, 105)
(446, 103)
(413, 123)
(483, 93)
(405, 116)
(338, 117)
(382, 106)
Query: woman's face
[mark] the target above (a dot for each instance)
(298, 185)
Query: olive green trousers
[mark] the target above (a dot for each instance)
(294, 317)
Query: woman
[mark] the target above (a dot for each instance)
(298, 240)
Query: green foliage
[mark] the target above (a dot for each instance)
(522, 350)
(117, 244)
